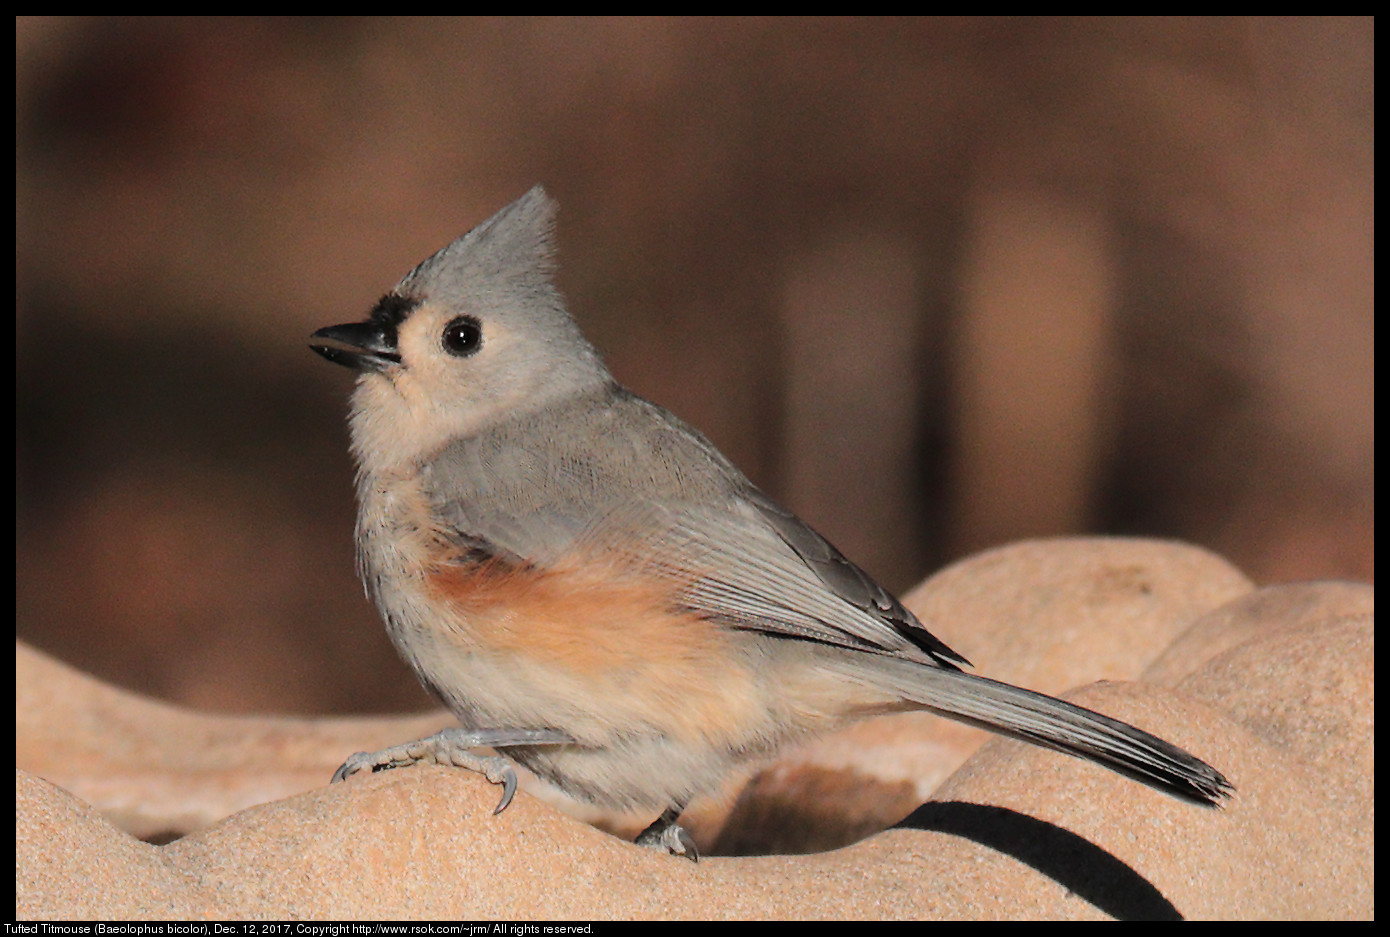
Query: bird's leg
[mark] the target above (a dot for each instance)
(667, 836)
(452, 747)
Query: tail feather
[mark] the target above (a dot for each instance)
(1053, 723)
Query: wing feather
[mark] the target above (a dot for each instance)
(622, 482)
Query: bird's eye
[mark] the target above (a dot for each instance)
(463, 336)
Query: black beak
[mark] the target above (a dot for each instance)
(371, 345)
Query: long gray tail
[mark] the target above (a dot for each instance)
(1053, 723)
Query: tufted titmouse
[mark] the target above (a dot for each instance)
(594, 590)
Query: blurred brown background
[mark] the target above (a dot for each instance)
(937, 284)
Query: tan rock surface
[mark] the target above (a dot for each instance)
(1280, 698)
(155, 769)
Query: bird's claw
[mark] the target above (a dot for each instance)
(665, 835)
(508, 782)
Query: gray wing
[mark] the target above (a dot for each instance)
(849, 584)
(629, 482)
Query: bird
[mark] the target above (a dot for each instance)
(594, 590)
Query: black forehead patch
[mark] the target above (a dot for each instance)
(389, 312)
(392, 309)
